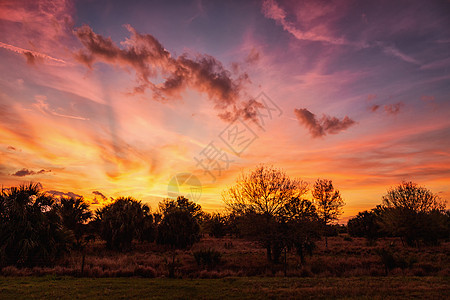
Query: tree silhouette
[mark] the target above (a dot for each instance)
(30, 227)
(122, 221)
(328, 202)
(414, 213)
(260, 199)
(179, 227)
(367, 224)
(74, 214)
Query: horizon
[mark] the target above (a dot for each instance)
(109, 100)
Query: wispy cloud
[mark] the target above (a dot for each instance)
(44, 107)
(26, 172)
(395, 52)
(31, 55)
(272, 10)
(393, 109)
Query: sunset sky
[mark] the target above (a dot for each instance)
(106, 99)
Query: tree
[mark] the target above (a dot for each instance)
(328, 202)
(301, 224)
(179, 227)
(30, 227)
(216, 225)
(122, 221)
(367, 224)
(260, 198)
(74, 214)
(413, 213)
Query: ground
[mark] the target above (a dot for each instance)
(55, 287)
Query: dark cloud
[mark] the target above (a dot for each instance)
(253, 56)
(326, 124)
(393, 109)
(147, 56)
(11, 148)
(63, 194)
(374, 108)
(100, 194)
(26, 172)
(31, 59)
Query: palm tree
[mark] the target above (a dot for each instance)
(122, 221)
(30, 227)
(74, 214)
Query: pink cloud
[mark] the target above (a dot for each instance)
(323, 126)
(148, 57)
(319, 33)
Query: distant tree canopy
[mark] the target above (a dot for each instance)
(122, 221)
(179, 227)
(30, 231)
(328, 202)
(270, 206)
(367, 224)
(414, 213)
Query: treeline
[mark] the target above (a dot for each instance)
(408, 211)
(264, 205)
(37, 228)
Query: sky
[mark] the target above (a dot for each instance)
(152, 99)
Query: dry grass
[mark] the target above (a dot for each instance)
(54, 287)
(343, 258)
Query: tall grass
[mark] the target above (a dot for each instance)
(233, 257)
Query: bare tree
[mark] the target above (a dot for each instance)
(328, 201)
(262, 196)
(414, 213)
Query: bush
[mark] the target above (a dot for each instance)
(208, 258)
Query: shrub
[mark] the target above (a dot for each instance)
(208, 258)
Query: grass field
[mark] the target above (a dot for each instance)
(53, 287)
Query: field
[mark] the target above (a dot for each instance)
(349, 268)
(345, 257)
(226, 288)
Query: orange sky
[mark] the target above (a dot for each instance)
(116, 99)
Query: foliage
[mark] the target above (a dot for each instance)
(414, 213)
(328, 202)
(411, 197)
(216, 225)
(207, 258)
(30, 227)
(179, 227)
(367, 224)
(74, 214)
(270, 209)
(122, 221)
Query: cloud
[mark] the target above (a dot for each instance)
(326, 125)
(370, 97)
(11, 148)
(42, 105)
(374, 108)
(427, 98)
(147, 56)
(30, 55)
(26, 172)
(253, 56)
(392, 51)
(272, 10)
(393, 109)
(63, 194)
(100, 194)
